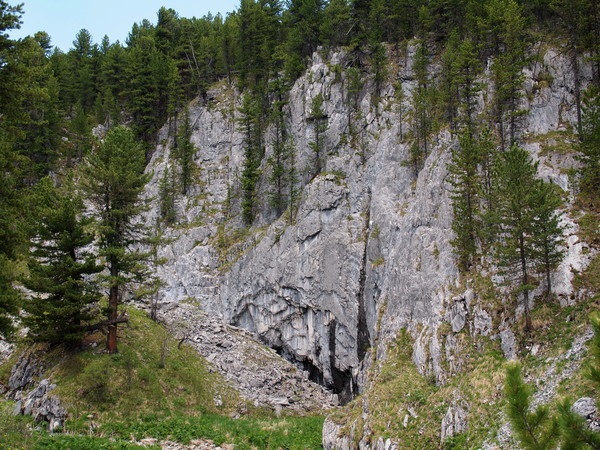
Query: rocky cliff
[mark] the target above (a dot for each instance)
(369, 250)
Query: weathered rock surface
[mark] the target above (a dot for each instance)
(255, 370)
(455, 421)
(42, 406)
(6, 350)
(36, 402)
(23, 372)
(369, 250)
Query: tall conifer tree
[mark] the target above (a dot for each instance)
(59, 267)
(114, 181)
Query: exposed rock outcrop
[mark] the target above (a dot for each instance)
(455, 421)
(369, 251)
(256, 371)
(41, 405)
(36, 402)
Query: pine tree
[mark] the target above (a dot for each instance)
(11, 235)
(513, 218)
(488, 153)
(422, 120)
(29, 106)
(166, 197)
(81, 139)
(114, 181)
(249, 124)
(277, 161)
(184, 153)
(337, 23)
(467, 67)
(175, 94)
(524, 221)
(575, 431)
(535, 430)
(59, 267)
(318, 118)
(292, 181)
(82, 70)
(507, 25)
(449, 79)
(548, 230)
(302, 21)
(465, 199)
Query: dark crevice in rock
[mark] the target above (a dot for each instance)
(343, 384)
(363, 336)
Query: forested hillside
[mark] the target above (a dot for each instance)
(101, 174)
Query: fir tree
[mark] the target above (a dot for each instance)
(114, 181)
(60, 267)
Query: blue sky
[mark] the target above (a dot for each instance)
(62, 19)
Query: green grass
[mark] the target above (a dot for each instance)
(150, 389)
(245, 433)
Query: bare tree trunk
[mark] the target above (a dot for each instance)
(548, 281)
(525, 279)
(113, 304)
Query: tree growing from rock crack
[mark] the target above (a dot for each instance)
(319, 119)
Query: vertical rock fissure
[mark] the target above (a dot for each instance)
(363, 337)
(343, 384)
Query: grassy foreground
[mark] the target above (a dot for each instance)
(150, 389)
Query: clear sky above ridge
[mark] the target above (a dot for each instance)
(62, 19)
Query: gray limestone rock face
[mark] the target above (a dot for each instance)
(42, 406)
(333, 439)
(368, 252)
(454, 422)
(508, 344)
(585, 407)
(23, 373)
(254, 370)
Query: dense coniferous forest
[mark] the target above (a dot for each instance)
(50, 100)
